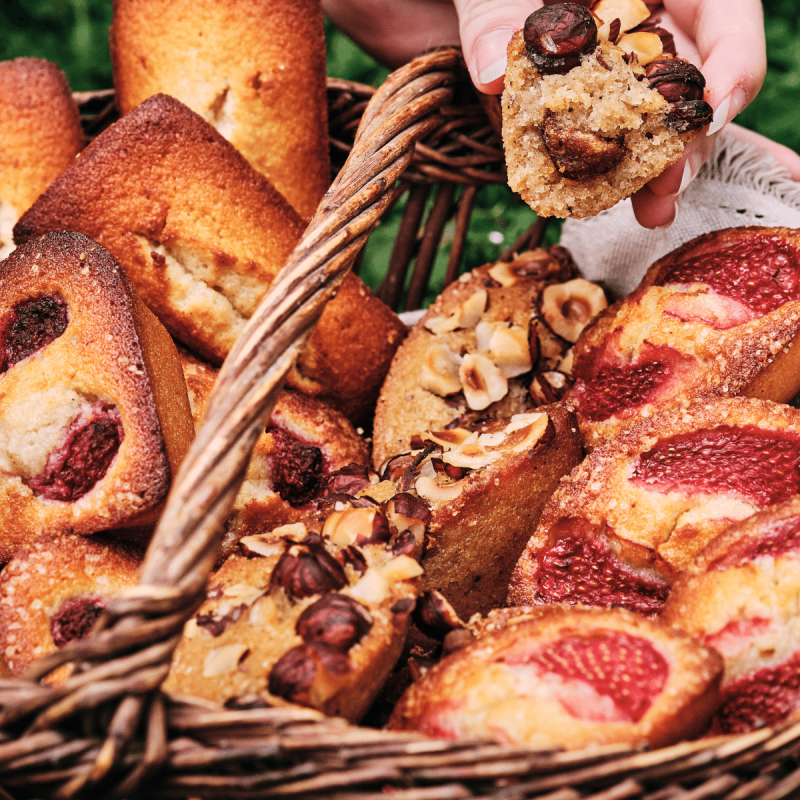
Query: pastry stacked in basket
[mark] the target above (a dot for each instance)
(567, 524)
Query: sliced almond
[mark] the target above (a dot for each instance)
(223, 659)
(439, 373)
(243, 592)
(647, 46)
(401, 568)
(482, 380)
(569, 307)
(266, 545)
(432, 491)
(531, 435)
(450, 438)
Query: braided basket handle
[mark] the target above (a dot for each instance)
(126, 659)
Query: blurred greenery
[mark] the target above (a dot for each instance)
(74, 34)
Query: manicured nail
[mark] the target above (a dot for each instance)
(491, 56)
(722, 116)
(694, 161)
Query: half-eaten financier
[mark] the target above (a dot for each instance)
(595, 105)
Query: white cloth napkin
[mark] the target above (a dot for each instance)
(739, 185)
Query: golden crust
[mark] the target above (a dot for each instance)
(591, 97)
(269, 101)
(500, 686)
(102, 358)
(753, 356)
(660, 530)
(199, 232)
(43, 575)
(349, 352)
(41, 132)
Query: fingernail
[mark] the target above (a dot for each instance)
(677, 207)
(722, 116)
(491, 55)
(691, 168)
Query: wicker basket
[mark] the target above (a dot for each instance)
(109, 731)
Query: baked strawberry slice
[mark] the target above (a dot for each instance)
(29, 326)
(608, 384)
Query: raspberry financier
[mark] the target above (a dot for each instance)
(740, 596)
(94, 416)
(638, 509)
(569, 678)
(590, 116)
(54, 589)
(717, 316)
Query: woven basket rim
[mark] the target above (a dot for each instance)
(339, 758)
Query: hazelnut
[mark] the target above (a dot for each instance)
(435, 616)
(306, 569)
(439, 372)
(350, 479)
(569, 307)
(688, 115)
(466, 315)
(358, 526)
(293, 675)
(433, 492)
(401, 568)
(557, 37)
(505, 344)
(548, 387)
(646, 44)
(224, 659)
(676, 79)
(578, 154)
(409, 513)
(630, 13)
(336, 620)
(536, 263)
(483, 382)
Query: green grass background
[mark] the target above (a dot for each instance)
(74, 34)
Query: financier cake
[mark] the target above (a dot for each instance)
(40, 135)
(569, 678)
(495, 343)
(593, 107)
(717, 316)
(635, 513)
(94, 416)
(301, 619)
(54, 589)
(740, 596)
(269, 101)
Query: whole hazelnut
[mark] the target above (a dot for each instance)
(293, 674)
(557, 37)
(335, 620)
(675, 79)
(688, 115)
(306, 569)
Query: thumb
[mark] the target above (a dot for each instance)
(486, 27)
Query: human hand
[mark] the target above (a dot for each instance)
(724, 38)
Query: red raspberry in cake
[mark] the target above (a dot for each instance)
(112, 418)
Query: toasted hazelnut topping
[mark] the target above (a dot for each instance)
(566, 363)
(508, 348)
(466, 315)
(531, 435)
(428, 489)
(408, 513)
(439, 373)
(243, 593)
(450, 438)
(536, 263)
(647, 46)
(343, 528)
(401, 568)
(483, 381)
(223, 659)
(630, 13)
(294, 530)
(569, 307)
